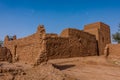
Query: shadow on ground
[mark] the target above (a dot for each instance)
(62, 67)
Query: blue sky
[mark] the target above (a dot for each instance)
(21, 17)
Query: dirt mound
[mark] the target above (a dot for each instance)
(81, 68)
(45, 71)
(9, 71)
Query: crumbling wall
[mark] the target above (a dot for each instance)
(57, 48)
(51, 35)
(65, 33)
(78, 43)
(113, 51)
(26, 49)
(40, 47)
(5, 54)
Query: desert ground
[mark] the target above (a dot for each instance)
(78, 68)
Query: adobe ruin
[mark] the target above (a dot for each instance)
(42, 46)
(102, 33)
(5, 54)
(112, 52)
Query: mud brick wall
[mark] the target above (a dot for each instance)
(114, 51)
(92, 29)
(40, 46)
(65, 33)
(51, 35)
(5, 54)
(78, 43)
(102, 33)
(86, 41)
(104, 37)
(57, 48)
(26, 49)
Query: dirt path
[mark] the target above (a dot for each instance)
(89, 68)
(82, 68)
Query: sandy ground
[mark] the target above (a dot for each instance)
(81, 68)
(89, 68)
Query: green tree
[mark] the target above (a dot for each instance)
(116, 36)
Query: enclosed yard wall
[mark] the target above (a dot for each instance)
(113, 51)
(57, 48)
(41, 47)
(78, 43)
(26, 49)
(86, 40)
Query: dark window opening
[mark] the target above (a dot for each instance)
(102, 39)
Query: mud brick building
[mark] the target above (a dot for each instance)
(102, 33)
(42, 46)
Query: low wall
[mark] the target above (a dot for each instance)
(114, 51)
